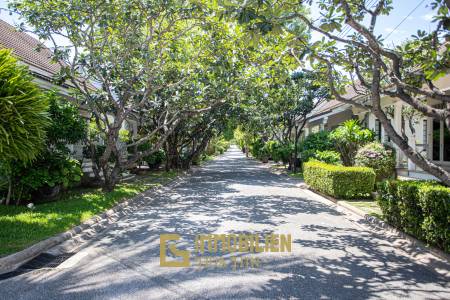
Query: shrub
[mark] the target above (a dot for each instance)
(242, 137)
(53, 168)
(263, 153)
(435, 203)
(256, 148)
(408, 204)
(216, 146)
(319, 141)
(222, 145)
(276, 151)
(419, 208)
(348, 138)
(328, 156)
(282, 152)
(153, 160)
(376, 156)
(67, 125)
(388, 201)
(271, 147)
(50, 172)
(339, 181)
(399, 202)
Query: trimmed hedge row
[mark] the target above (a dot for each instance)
(339, 181)
(419, 208)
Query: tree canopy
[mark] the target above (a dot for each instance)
(183, 69)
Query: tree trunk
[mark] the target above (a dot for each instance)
(111, 177)
(172, 155)
(416, 158)
(195, 154)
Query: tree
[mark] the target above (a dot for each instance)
(302, 98)
(360, 59)
(136, 53)
(24, 116)
(281, 108)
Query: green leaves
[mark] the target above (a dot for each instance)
(49, 170)
(67, 125)
(23, 110)
(339, 181)
(348, 137)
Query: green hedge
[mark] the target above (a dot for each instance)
(419, 208)
(339, 181)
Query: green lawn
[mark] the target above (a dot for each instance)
(370, 207)
(21, 227)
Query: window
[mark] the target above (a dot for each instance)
(436, 139)
(425, 133)
(378, 130)
(441, 141)
(387, 139)
(446, 138)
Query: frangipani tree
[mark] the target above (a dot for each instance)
(360, 58)
(126, 59)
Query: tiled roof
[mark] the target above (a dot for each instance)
(24, 48)
(332, 104)
(326, 106)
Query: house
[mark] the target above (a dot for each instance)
(429, 137)
(25, 48)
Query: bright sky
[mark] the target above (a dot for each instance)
(419, 19)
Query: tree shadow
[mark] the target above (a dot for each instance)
(332, 257)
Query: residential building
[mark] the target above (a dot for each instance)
(426, 135)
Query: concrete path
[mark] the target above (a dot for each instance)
(333, 256)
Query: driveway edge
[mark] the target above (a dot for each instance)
(95, 224)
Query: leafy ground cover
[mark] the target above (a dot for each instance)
(21, 227)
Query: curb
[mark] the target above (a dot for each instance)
(98, 223)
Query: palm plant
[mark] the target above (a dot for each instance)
(348, 137)
(24, 116)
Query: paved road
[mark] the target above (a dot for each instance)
(333, 256)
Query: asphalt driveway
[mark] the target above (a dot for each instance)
(333, 256)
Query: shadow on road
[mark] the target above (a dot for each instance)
(332, 258)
